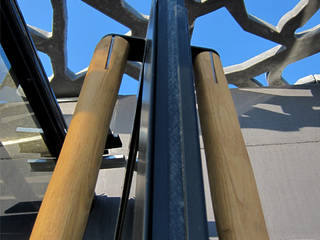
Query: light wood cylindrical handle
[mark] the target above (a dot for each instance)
(66, 205)
(236, 202)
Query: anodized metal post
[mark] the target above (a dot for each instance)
(170, 196)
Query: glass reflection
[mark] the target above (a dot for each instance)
(21, 189)
(20, 134)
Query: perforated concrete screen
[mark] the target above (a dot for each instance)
(293, 45)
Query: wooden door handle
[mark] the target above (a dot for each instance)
(233, 188)
(65, 208)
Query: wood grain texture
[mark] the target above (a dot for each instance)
(67, 202)
(233, 188)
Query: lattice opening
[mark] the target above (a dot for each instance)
(43, 18)
(86, 26)
(263, 9)
(143, 7)
(302, 68)
(313, 22)
(46, 62)
(129, 86)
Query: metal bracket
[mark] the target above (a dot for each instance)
(136, 53)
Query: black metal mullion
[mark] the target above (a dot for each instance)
(144, 200)
(130, 165)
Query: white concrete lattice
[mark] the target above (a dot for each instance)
(292, 46)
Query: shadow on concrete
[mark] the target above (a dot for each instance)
(24, 207)
(103, 217)
(16, 227)
(18, 220)
(279, 109)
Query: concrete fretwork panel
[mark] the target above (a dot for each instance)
(293, 45)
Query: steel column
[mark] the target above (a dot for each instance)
(170, 173)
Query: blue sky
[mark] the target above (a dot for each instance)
(217, 30)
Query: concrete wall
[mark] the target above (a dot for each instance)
(281, 128)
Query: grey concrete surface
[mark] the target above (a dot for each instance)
(281, 128)
(282, 134)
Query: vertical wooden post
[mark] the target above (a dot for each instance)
(65, 208)
(233, 188)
